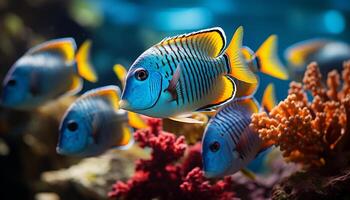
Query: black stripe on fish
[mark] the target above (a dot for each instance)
(202, 66)
(197, 69)
(194, 71)
(186, 83)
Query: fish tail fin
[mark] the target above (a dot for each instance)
(84, 67)
(238, 67)
(120, 72)
(269, 98)
(269, 62)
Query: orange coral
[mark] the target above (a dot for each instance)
(309, 132)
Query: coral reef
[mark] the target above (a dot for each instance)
(314, 133)
(311, 133)
(164, 176)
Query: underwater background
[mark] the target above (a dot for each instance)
(120, 31)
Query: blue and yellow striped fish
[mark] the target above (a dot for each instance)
(228, 143)
(186, 73)
(46, 72)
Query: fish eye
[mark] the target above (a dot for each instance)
(72, 125)
(141, 74)
(214, 147)
(11, 82)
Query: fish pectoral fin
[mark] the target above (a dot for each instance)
(127, 139)
(84, 66)
(109, 93)
(269, 98)
(65, 47)
(120, 72)
(228, 92)
(247, 173)
(209, 42)
(136, 121)
(187, 118)
(269, 61)
(172, 88)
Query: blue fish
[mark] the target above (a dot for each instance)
(228, 143)
(94, 123)
(47, 72)
(187, 73)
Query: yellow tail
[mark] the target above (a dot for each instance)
(238, 66)
(268, 59)
(120, 72)
(269, 98)
(84, 67)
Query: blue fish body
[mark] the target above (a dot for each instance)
(92, 125)
(44, 73)
(186, 73)
(228, 143)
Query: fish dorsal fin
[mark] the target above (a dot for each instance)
(209, 42)
(120, 72)
(65, 46)
(269, 98)
(298, 53)
(110, 93)
(269, 61)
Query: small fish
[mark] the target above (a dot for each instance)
(329, 54)
(46, 72)
(229, 144)
(187, 73)
(94, 123)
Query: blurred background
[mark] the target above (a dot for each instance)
(121, 30)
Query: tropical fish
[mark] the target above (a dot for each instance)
(329, 54)
(187, 73)
(94, 123)
(228, 143)
(47, 72)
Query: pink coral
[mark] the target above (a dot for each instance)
(163, 176)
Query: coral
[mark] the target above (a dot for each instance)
(311, 133)
(164, 176)
(314, 133)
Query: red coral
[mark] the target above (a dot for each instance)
(163, 177)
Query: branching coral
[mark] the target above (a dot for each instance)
(163, 176)
(310, 133)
